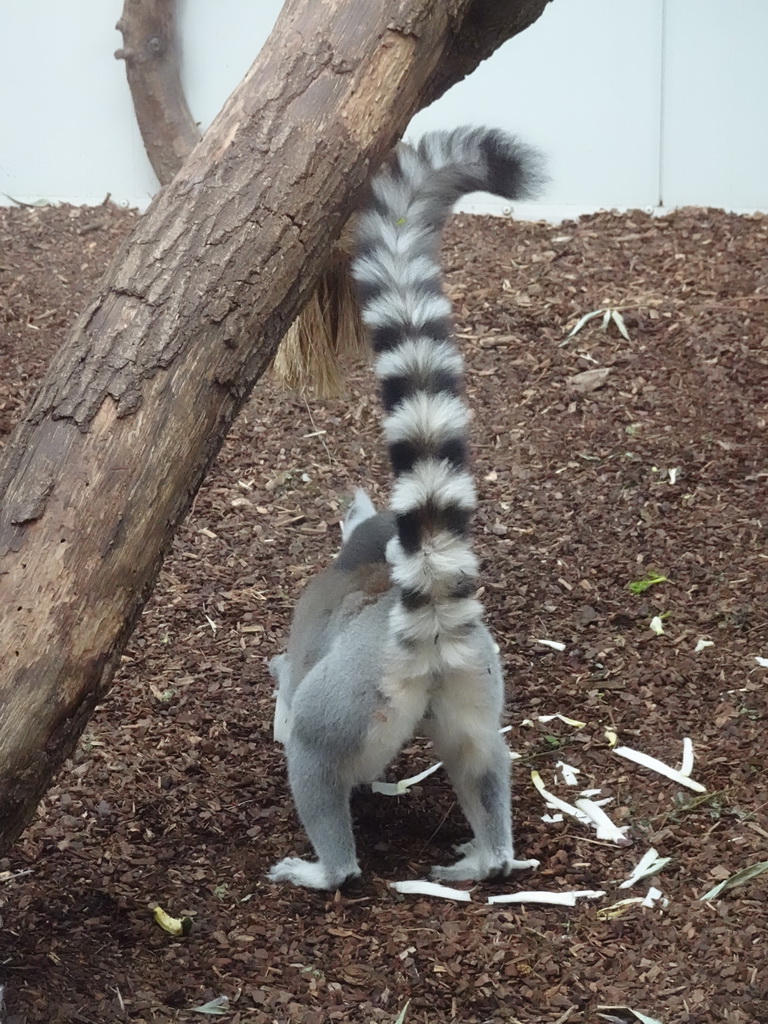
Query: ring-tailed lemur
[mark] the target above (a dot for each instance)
(391, 636)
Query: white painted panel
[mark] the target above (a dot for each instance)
(67, 126)
(67, 129)
(220, 41)
(715, 130)
(583, 84)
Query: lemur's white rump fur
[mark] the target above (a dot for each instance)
(397, 268)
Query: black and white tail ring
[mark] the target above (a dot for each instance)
(397, 268)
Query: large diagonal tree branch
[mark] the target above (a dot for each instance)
(107, 459)
(483, 27)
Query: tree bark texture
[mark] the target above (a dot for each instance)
(134, 407)
(151, 54)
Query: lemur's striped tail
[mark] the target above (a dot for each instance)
(397, 268)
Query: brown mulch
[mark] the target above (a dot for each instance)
(177, 795)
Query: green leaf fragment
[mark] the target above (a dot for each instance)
(618, 319)
(217, 1007)
(401, 1015)
(608, 314)
(584, 320)
(649, 580)
(624, 1010)
(740, 878)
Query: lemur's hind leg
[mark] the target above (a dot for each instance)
(464, 728)
(321, 795)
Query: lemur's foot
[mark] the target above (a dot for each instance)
(310, 874)
(478, 864)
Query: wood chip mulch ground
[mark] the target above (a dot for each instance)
(599, 461)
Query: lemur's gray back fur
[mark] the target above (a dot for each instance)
(399, 277)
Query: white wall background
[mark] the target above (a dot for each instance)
(649, 103)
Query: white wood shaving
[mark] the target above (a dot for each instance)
(649, 864)
(562, 899)
(554, 802)
(569, 773)
(606, 829)
(651, 897)
(701, 644)
(419, 888)
(401, 787)
(686, 765)
(556, 645)
(563, 718)
(659, 766)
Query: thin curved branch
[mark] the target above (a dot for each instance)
(151, 54)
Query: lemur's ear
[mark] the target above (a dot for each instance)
(362, 508)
